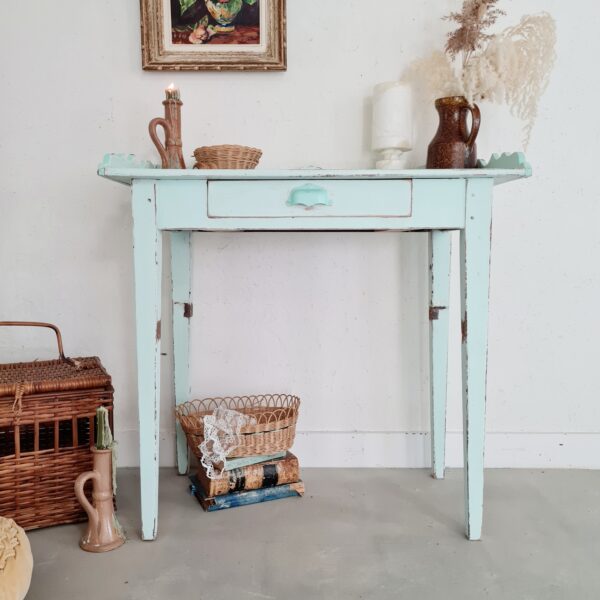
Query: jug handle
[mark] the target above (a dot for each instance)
(159, 121)
(475, 122)
(92, 513)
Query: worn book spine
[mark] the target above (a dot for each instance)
(252, 477)
(245, 461)
(234, 499)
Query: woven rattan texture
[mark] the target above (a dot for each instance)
(45, 444)
(53, 375)
(274, 430)
(226, 157)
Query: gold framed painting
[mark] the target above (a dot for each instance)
(215, 35)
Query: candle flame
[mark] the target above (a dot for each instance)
(171, 86)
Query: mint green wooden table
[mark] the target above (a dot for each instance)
(438, 201)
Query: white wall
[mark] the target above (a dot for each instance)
(338, 318)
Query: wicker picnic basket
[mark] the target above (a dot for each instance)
(47, 411)
(273, 431)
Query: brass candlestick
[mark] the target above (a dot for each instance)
(171, 151)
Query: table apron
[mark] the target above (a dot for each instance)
(184, 205)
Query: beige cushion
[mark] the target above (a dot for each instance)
(16, 561)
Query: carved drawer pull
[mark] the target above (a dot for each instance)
(309, 195)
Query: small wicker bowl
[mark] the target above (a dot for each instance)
(226, 157)
(274, 431)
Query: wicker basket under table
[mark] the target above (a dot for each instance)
(273, 428)
(47, 411)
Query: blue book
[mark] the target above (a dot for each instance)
(234, 499)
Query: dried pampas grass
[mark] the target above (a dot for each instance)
(436, 74)
(512, 67)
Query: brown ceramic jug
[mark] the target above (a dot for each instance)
(453, 146)
(103, 531)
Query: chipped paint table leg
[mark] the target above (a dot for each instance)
(181, 274)
(147, 241)
(475, 245)
(440, 247)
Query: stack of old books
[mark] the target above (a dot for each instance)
(242, 446)
(249, 480)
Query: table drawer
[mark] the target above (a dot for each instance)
(301, 198)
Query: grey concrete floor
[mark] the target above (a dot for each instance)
(372, 534)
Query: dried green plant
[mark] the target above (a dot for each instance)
(104, 438)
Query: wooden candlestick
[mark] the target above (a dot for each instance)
(171, 151)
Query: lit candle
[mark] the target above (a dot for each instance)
(170, 151)
(172, 92)
(392, 124)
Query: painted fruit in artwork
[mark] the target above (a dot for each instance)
(225, 12)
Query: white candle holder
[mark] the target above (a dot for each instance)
(392, 124)
(391, 158)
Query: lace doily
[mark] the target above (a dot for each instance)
(9, 540)
(221, 436)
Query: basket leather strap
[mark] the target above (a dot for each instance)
(21, 388)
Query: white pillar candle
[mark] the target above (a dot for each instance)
(392, 122)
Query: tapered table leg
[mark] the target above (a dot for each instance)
(475, 271)
(182, 312)
(440, 247)
(147, 262)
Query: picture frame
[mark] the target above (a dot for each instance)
(213, 35)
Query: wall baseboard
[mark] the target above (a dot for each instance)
(411, 449)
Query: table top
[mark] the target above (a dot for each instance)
(125, 168)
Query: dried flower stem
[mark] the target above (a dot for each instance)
(475, 17)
